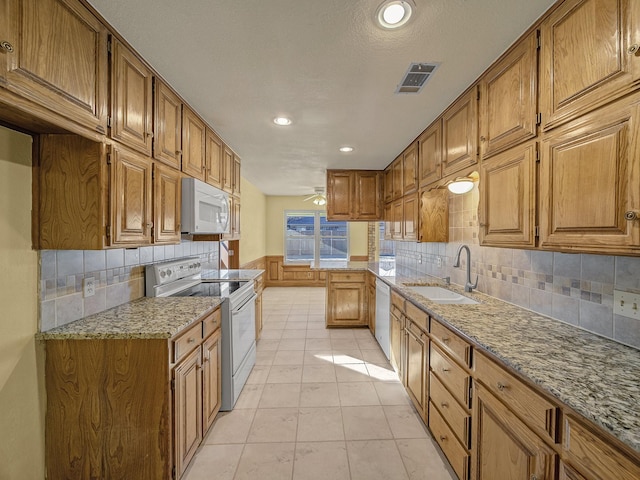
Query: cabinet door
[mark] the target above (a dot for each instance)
(589, 179)
(430, 156)
(504, 446)
(227, 170)
(167, 126)
(508, 198)
(339, 194)
(371, 303)
(193, 144)
(508, 99)
(586, 59)
(410, 169)
(367, 195)
(59, 58)
(410, 210)
(131, 99)
(417, 371)
(397, 219)
(211, 379)
(235, 218)
(187, 409)
(258, 316)
(214, 152)
(236, 175)
(397, 179)
(167, 199)
(388, 184)
(346, 304)
(460, 134)
(130, 198)
(388, 221)
(395, 342)
(434, 216)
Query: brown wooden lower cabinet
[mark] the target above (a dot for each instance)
(456, 454)
(417, 366)
(130, 408)
(346, 299)
(279, 274)
(504, 447)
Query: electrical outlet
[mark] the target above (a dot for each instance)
(89, 287)
(439, 262)
(626, 304)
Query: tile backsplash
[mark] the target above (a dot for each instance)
(118, 275)
(573, 288)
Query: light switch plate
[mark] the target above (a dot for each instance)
(89, 287)
(626, 304)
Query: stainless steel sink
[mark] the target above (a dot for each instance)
(442, 295)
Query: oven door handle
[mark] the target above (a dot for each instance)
(245, 305)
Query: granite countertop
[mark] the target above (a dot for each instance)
(595, 376)
(147, 317)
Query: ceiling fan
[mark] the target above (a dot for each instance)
(319, 198)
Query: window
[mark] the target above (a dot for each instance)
(310, 237)
(386, 248)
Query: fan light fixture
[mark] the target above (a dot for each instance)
(282, 121)
(394, 13)
(461, 185)
(346, 149)
(319, 198)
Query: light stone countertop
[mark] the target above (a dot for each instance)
(595, 376)
(147, 317)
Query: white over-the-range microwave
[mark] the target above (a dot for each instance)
(205, 209)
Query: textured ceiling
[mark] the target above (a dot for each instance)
(324, 63)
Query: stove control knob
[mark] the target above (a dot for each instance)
(198, 264)
(162, 274)
(169, 272)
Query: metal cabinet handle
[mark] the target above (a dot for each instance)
(443, 438)
(501, 386)
(191, 340)
(445, 369)
(444, 404)
(446, 339)
(633, 49)
(631, 215)
(6, 46)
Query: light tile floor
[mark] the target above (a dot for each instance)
(319, 404)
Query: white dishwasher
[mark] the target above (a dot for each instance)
(383, 302)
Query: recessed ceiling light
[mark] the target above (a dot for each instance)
(394, 13)
(282, 121)
(346, 149)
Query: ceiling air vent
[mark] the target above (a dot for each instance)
(416, 77)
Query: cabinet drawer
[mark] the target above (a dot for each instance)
(587, 449)
(187, 341)
(451, 343)
(455, 453)
(535, 410)
(458, 418)
(417, 316)
(211, 323)
(451, 375)
(397, 301)
(297, 274)
(335, 277)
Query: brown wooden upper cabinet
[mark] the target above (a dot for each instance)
(193, 144)
(507, 209)
(508, 99)
(214, 152)
(130, 198)
(236, 175)
(354, 195)
(434, 216)
(396, 174)
(227, 170)
(590, 182)
(589, 57)
(167, 125)
(56, 56)
(460, 134)
(410, 169)
(430, 154)
(410, 212)
(131, 99)
(167, 193)
(388, 183)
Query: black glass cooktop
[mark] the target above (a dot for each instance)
(210, 289)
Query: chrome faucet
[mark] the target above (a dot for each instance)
(468, 286)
